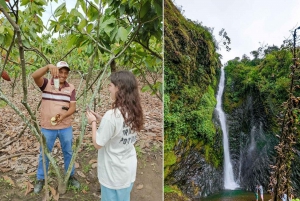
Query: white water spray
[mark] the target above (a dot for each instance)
(252, 143)
(229, 182)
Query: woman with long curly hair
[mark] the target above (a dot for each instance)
(115, 137)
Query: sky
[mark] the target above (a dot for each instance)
(247, 23)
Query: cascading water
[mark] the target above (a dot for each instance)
(252, 143)
(229, 182)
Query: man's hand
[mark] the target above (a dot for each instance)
(53, 70)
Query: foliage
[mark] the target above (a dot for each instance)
(269, 78)
(168, 189)
(170, 158)
(2, 103)
(120, 24)
(273, 76)
(102, 34)
(173, 189)
(190, 66)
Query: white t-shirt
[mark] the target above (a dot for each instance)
(117, 162)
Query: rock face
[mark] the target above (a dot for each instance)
(194, 176)
(251, 146)
(193, 147)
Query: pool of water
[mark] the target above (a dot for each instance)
(234, 195)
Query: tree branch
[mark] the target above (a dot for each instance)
(151, 51)
(67, 53)
(38, 52)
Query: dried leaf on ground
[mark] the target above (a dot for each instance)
(55, 194)
(81, 174)
(94, 165)
(5, 169)
(29, 188)
(93, 161)
(140, 186)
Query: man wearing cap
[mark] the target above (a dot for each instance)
(57, 108)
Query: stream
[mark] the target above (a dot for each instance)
(234, 195)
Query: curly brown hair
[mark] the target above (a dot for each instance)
(128, 99)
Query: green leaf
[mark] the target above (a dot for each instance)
(3, 4)
(1, 38)
(24, 2)
(158, 6)
(111, 20)
(122, 34)
(146, 88)
(1, 28)
(93, 12)
(90, 49)
(145, 9)
(9, 31)
(135, 71)
(82, 24)
(25, 42)
(39, 2)
(83, 5)
(113, 34)
(122, 9)
(108, 29)
(89, 27)
(76, 13)
(71, 41)
(109, 2)
(60, 9)
(57, 27)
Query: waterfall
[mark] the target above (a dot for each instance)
(229, 182)
(252, 143)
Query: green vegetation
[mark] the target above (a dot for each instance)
(168, 189)
(105, 36)
(266, 77)
(190, 73)
(2, 103)
(272, 78)
(190, 69)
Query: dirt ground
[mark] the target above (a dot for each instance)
(19, 152)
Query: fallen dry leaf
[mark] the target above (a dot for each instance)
(5, 169)
(80, 174)
(55, 194)
(93, 161)
(29, 188)
(140, 186)
(53, 191)
(94, 165)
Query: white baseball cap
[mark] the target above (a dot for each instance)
(62, 64)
